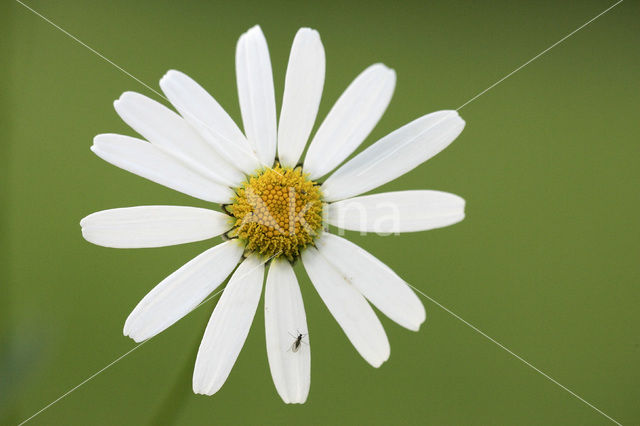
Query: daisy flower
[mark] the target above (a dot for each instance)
(275, 208)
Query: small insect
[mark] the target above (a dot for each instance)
(297, 342)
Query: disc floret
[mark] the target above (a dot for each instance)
(277, 212)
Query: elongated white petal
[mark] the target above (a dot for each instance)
(402, 211)
(351, 119)
(285, 320)
(394, 155)
(182, 291)
(348, 307)
(375, 280)
(213, 123)
(256, 95)
(168, 131)
(152, 226)
(228, 327)
(150, 162)
(302, 93)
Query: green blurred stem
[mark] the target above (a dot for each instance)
(175, 401)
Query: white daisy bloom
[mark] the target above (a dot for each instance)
(274, 205)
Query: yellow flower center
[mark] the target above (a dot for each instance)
(276, 212)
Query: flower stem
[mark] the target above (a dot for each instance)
(177, 397)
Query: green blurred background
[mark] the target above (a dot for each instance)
(546, 261)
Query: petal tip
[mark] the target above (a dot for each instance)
(97, 139)
(169, 77)
(135, 337)
(165, 78)
(201, 389)
(126, 95)
(255, 31)
(416, 325)
(376, 363)
(307, 31)
(172, 72)
(129, 330)
(456, 115)
(197, 390)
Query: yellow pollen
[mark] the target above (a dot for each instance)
(277, 212)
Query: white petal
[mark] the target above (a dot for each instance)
(348, 307)
(228, 327)
(148, 161)
(394, 155)
(255, 91)
(302, 93)
(375, 280)
(351, 119)
(152, 226)
(213, 123)
(170, 132)
(182, 291)
(284, 320)
(402, 211)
